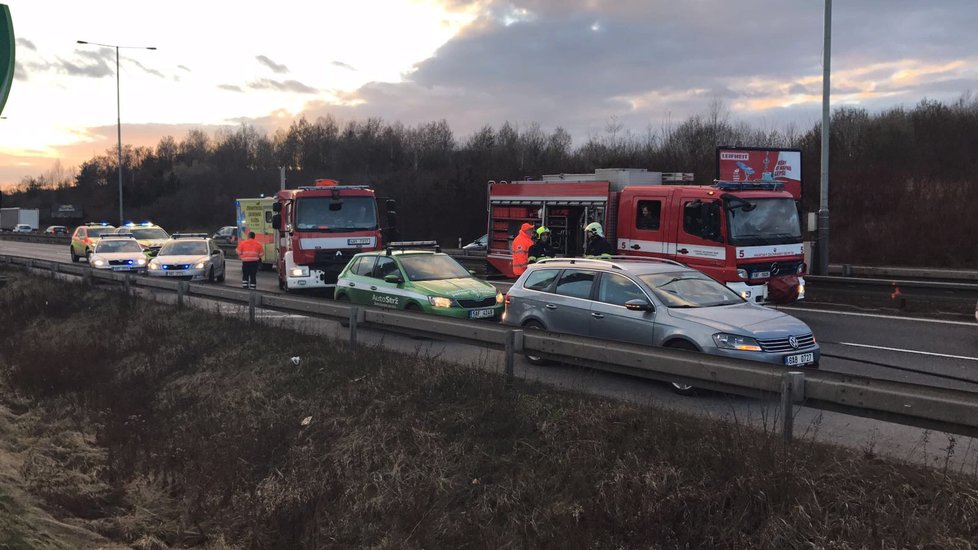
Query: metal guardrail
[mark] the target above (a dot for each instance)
(947, 410)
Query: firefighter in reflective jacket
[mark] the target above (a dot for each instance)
(542, 249)
(597, 246)
(521, 249)
(250, 252)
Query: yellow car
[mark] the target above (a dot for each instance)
(85, 237)
(149, 236)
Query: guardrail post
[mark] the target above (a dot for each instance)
(792, 391)
(181, 291)
(355, 317)
(254, 300)
(87, 277)
(514, 343)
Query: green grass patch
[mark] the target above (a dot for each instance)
(188, 429)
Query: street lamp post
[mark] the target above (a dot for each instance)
(118, 107)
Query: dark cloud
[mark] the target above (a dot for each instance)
(342, 65)
(275, 67)
(153, 72)
(25, 43)
(230, 87)
(577, 63)
(184, 68)
(284, 86)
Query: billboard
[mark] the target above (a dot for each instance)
(69, 211)
(761, 164)
(6, 54)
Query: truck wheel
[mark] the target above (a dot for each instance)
(74, 257)
(679, 387)
(535, 359)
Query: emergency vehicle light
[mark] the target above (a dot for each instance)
(749, 185)
(189, 236)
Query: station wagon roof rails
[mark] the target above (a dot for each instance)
(188, 236)
(598, 261)
(405, 245)
(331, 187)
(648, 259)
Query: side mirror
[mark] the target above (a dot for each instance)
(639, 304)
(215, 252)
(277, 220)
(276, 207)
(394, 278)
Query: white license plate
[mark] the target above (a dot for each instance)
(760, 275)
(120, 268)
(800, 359)
(174, 273)
(482, 313)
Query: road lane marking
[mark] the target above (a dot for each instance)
(878, 316)
(930, 353)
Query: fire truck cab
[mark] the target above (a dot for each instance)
(321, 227)
(745, 234)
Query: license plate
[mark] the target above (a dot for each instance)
(760, 275)
(482, 313)
(800, 359)
(353, 242)
(174, 273)
(120, 268)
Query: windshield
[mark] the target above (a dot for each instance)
(763, 221)
(96, 231)
(424, 267)
(690, 289)
(110, 247)
(184, 248)
(149, 233)
(347, 214)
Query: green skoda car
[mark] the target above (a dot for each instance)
(417, 280)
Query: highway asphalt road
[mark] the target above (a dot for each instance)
(857, 343)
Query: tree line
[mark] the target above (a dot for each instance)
(902, 181)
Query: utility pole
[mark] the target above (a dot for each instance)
(823, 209)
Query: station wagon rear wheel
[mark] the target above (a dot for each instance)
(535, 359)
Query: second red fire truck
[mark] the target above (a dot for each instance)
(745, 234)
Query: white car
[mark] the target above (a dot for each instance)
(118, 253)
(192, 256)
(23, 228)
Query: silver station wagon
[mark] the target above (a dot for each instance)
(658, 303)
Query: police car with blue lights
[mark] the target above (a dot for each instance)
(417, 276)
(118, 252)
(193, 256)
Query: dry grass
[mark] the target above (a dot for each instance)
(189, 431)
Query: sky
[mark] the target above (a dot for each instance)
(576, 64)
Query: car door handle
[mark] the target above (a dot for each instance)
(550, 306)
(597, 315)
(351, 284)
(373, 288)
(683, 251)
(635, 247)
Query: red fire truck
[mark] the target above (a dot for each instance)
(321, 227)
(745, 234)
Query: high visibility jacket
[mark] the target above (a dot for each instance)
(521, 250)
(250, 250)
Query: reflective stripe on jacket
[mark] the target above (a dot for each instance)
(250, 250)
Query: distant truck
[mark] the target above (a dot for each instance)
(256, 215)
(12, 217)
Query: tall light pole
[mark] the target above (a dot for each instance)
(118, 107)
(823, 208)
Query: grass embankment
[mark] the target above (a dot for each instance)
(157, 426)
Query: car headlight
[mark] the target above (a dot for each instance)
(742, 273)
(732, 341)
(499, 298)
(98, 263)
(154, 265)
(200, 265)
(301, 271)
(801, 291)
(440, 301)
(140, 261)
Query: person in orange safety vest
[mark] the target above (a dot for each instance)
(250, 252)
(521, 249)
